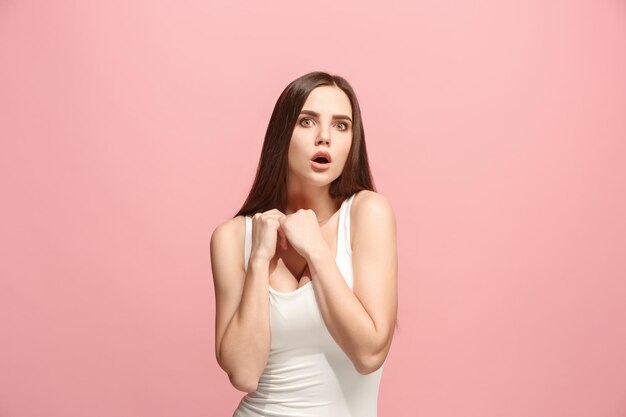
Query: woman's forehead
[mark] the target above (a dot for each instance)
(328, 100)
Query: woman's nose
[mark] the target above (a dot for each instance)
(324, 135)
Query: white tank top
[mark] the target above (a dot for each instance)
(307, 373)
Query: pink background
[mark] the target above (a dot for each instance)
(130, 129)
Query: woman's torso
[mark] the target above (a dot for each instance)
(307, 373)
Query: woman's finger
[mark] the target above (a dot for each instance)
(284, 242)
(277, 215)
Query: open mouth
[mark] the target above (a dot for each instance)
(320, 166)
(321, 160)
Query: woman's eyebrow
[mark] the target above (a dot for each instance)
(335, 116)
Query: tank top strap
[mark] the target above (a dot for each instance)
(247, 242)
(344, 226)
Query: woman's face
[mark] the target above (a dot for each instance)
(324, 124)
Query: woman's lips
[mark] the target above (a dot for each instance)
(320, 167)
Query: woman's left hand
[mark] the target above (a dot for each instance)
(303, 231)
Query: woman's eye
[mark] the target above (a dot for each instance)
(344, 126)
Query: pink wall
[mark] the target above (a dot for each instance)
(130, 129)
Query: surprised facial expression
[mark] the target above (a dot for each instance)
(323, 126)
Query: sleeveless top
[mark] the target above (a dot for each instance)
(307, 374)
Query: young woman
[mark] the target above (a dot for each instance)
(305, 274)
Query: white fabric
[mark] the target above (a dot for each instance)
(307, 373)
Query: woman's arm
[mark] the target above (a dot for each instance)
(242, 330)
(361, 322)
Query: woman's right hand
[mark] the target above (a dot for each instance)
(266, 230)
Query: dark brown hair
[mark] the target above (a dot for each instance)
(269, 189)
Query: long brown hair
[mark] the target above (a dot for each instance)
(269, 189)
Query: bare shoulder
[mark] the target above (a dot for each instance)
(370, 200)
(370, 210)
(227, 242)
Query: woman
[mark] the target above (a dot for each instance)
(305, 274)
